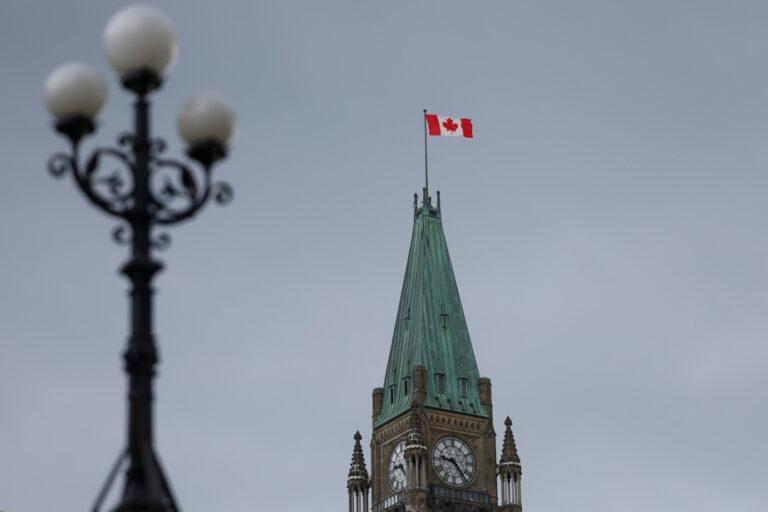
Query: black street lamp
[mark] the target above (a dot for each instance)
(145, 190)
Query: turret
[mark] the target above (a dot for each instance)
(484, 389)
(415, 454)
(378, 400)
(510, 471)
(419, 394)
(358, 482)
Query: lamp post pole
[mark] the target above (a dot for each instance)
(142, 487)
(146, 191)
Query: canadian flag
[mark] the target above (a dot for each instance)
(453, 126)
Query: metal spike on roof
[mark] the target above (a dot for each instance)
(358, 474)
(430, 329)
(509, 450)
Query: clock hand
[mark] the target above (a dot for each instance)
(449, 459)
(400, 467)
(456, 464)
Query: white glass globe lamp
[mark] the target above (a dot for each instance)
(207, 123)
(75, 94)
(140, 43)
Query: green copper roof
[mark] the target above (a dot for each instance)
(430, 329)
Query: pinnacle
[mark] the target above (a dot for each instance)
(414, 422)
(415, 425)
(358, 474)
(415, 434)
(509, 450)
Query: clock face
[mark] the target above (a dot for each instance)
(396, 467)
(453, 461)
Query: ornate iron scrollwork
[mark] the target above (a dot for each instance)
(177, 191)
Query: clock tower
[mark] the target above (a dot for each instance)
(434, 444)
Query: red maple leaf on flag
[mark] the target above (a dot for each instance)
(450, 125)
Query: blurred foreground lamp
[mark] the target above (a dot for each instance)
(143, 190)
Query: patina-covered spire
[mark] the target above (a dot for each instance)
(430, 329)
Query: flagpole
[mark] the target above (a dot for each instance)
(426, 167)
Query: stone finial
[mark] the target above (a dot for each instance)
(358, 474)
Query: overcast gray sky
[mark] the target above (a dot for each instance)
(608, 228)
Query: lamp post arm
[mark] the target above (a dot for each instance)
(183, 185)
(108, 193)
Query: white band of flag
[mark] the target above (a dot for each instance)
(451, 126)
